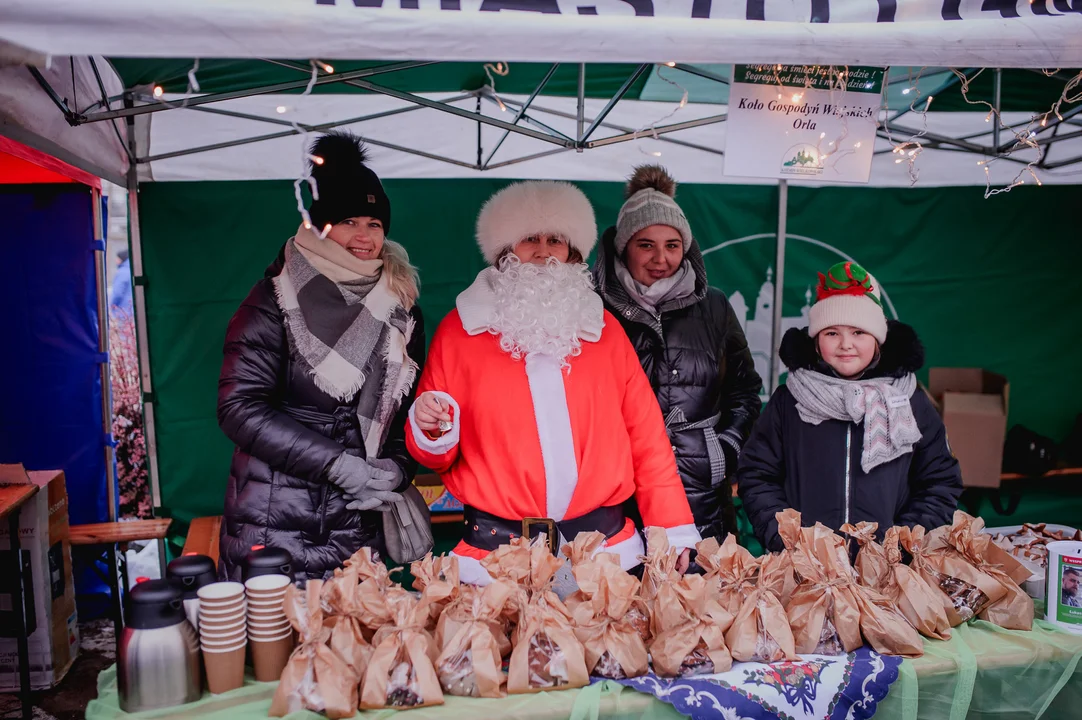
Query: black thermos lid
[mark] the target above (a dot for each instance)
(192, 572)
(155, 604)
(267, 561)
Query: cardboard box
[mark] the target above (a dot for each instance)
(44, 533)
(973, 403)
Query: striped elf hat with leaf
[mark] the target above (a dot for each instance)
(848, 295)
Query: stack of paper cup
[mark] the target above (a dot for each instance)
(269, 632)
(223, 634)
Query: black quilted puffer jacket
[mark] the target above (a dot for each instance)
(701, 369)
(288, 432)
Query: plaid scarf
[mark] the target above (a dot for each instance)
(351, 335)
(890, 430)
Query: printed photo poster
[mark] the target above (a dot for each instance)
(1070, 590)
(810, 122)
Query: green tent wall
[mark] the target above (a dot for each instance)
(982, 287)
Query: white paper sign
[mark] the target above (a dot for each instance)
(785, 123)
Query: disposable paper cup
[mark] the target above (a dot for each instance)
(224, 618)
(225, 639)
(233, 607)
(221, 613)
(225, 668)
(268, 621)
(270, 637)
(269, 606)
(224, 627)
(269, 658)
(268, 584)
(269, 631)
(220, 593)
(267, 616)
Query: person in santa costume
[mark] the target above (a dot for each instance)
(533, 404)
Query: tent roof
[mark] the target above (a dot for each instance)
(1022, 89)
(1042, 33)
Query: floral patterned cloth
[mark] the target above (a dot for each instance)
(842, 687)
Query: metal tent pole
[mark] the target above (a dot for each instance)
(997, 100)
(101, 282)
(581, 106)
(141, 334)
(779, 282)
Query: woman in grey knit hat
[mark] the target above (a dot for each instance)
(651, 275)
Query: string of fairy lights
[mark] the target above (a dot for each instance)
(1021, 137)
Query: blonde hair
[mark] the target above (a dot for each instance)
(402, 277)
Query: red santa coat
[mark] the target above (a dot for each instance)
(531, 440)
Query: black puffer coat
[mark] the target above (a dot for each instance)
(791, 463)
(699, 364)
(288, 432)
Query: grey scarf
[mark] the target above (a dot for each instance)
(654, 297)
(890, 430)
(350, 332)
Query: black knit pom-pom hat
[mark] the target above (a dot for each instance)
(347, 186)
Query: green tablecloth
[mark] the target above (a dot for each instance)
(983, 672)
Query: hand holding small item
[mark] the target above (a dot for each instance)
(433, 414)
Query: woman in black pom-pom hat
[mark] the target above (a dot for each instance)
(321, 364)
(651, 274)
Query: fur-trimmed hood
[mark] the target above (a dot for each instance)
(533, 207)
(900, 355)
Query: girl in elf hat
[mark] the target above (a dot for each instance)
(532, 407)
(321, 362)
(849, 437)
(650, 272)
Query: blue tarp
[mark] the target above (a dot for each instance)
(50, 366)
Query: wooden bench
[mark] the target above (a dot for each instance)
(202, 537)
(110, 539)
(120, 533)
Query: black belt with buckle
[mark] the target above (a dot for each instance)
(487, 531)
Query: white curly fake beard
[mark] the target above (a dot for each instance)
(542, 308)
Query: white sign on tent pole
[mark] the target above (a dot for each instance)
(796, 122)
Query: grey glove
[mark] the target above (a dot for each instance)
(368, 484)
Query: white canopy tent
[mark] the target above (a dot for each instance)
(71, 103)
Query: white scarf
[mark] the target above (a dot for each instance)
(652, 298)
(890, 430)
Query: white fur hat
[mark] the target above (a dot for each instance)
(532, 207)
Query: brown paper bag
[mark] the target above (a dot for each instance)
(732, 569)
(871, 564)
(760, 632)
(439, 576)
(1014, 610)
(606, 597)
(316, 678)
(344, 619)
(823, 611)
(400, 672)
(921, 605)
(579, 551)
(884, 627)
(547, 654)
(689, 630)
(659, 564)
(368, 568)
(964, 589)
(470, 664)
